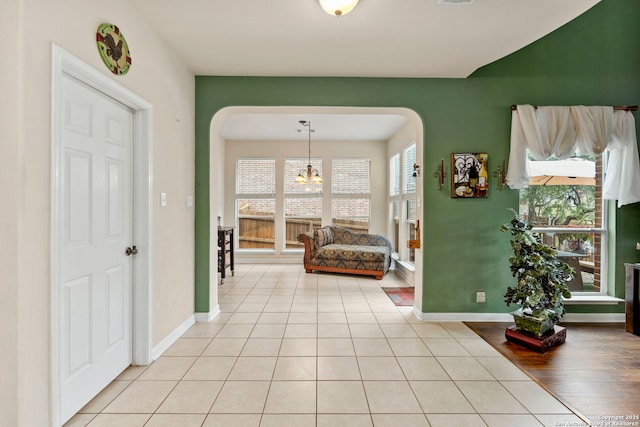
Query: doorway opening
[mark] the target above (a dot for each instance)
(221, 203)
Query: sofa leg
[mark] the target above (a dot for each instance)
(307, 270)
(378, 277)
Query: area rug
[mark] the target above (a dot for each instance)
(400, 296)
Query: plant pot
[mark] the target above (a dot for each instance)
(538, 326)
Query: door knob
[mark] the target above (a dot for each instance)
(131, 251)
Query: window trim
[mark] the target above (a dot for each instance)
(604, 230)
(254, 196)
(402, 198)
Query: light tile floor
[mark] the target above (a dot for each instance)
(297, 350)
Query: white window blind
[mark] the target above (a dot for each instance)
(409, 181)
(394, 175)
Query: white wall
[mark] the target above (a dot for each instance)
(10, 169)
(373, 150)
(156, 75)
(401, 139)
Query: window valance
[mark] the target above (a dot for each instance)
(559, 132)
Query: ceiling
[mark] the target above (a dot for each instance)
(379, 38)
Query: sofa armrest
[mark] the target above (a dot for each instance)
(309, 246)
(378, 240)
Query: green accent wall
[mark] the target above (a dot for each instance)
(593, 60)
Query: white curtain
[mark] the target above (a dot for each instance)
(561, 131)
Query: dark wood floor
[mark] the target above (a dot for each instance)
(596, 372)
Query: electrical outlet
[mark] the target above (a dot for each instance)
(481, 297)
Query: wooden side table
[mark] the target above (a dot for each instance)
(225, 251)
(632, 298)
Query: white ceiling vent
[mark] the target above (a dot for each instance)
(456, 1)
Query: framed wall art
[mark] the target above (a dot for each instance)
(113, 49)
(469, 175)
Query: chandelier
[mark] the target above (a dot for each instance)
(309, 174)
(338, 7)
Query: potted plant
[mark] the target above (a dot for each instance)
(541, 280)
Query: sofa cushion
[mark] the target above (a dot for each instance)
(322, 236)
(353, 253)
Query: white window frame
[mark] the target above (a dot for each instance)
(254, 196)
(408, 194)
(604, 231)
(317, 163)
(395, 184)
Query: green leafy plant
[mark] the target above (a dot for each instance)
(542, 277)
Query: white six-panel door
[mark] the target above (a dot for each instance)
(96, 226)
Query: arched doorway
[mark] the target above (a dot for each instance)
(217, 173)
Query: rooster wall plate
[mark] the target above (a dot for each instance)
(113, 49)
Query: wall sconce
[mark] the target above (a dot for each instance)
(416, 170)
(500, 173)
(439, 174)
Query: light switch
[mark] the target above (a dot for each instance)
(189, 201)
(163, 199)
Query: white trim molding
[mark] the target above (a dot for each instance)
(405, 270)
(463, 317)
(593, 300)
(170, 339)
(208, 316)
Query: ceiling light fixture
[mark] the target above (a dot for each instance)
(338, 7)
(308, 174)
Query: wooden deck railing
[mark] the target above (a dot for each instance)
(258, 232)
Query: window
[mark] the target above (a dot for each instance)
(302, 202)
(402, 199)
(408, 180)
(271, 223)
(564, 204)
(394, 175)
(351, 193)
(409, 199)
(395, 224)
(255, 203)
(394, 199)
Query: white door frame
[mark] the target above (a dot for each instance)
(65, 63)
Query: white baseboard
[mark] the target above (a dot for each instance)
(506, 317)
(463, 317)
(163, 345)
(208, 316)
(407, 274)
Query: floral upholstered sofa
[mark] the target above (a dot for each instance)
(336, 249)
